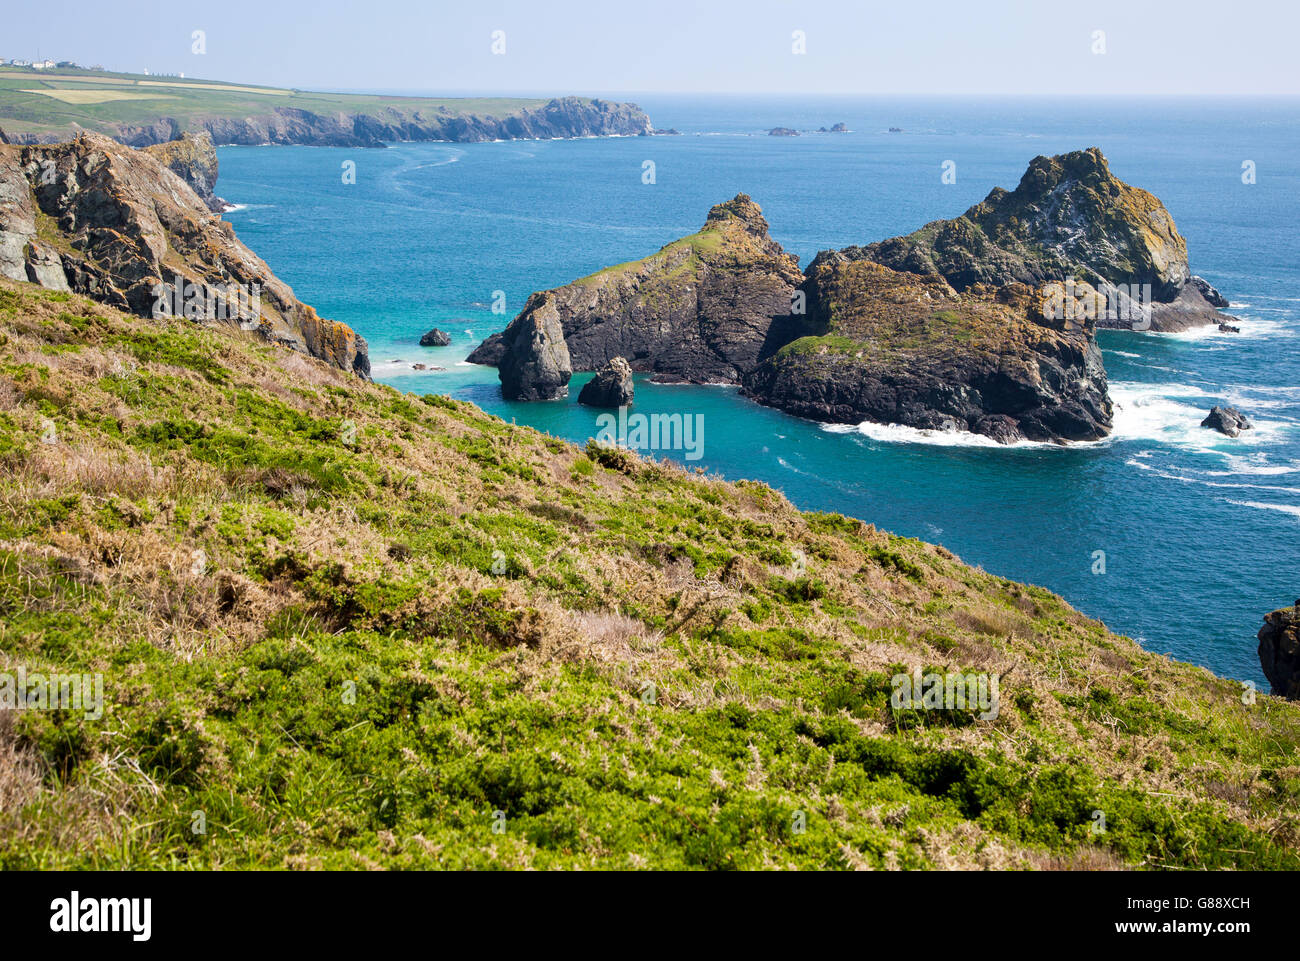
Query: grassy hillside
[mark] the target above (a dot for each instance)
(52, 101)
(349, 626)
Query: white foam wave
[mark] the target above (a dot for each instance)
(900, 434)
(1292, 509)
(1157, 412)
(1251, 328)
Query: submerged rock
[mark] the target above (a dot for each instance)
(535, 364)
(611, 387)
(435, 338)
(1227, 420)
(1279, 650)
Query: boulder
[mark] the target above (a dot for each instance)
(611, 387)
(1227, 420)
(1279, 650)
(435, 338)
(535, 364)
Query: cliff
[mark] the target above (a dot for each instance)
(700, 310)
(414, 616)
(95, 217)
(1279, 650)
(335, 120)
(900, 348)
(1069, 217)
(193, 158)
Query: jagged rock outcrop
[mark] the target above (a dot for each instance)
(561, 117)
(901, 348)
(98, 218)
(435, 338)
(193, 158)
(3, 137)
(1208, 291)
(535, 364)
(1227, 420)
(611, 387)
(1070, 217)
(701, 310)
(1279, 650)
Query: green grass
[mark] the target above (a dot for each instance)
(452, 642)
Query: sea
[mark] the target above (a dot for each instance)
(1168, 532)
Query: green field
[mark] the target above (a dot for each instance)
(49, 102)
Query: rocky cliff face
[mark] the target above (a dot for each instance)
(561, 117)
(900, 348)
(1070, 217)
(701, 310)
(193, 158)
(1279, 650)
(100, 219)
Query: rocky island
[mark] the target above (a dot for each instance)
(954, 327)
(898, 348)
(1069, 218)
(701, 310)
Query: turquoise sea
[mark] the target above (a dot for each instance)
(1199, 532)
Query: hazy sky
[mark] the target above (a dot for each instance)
(585, 46)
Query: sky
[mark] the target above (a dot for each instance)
(552, 47)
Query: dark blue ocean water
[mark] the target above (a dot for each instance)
(1199, 532)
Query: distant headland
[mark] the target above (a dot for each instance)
(51, 103)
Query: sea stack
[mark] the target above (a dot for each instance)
(536, 364)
